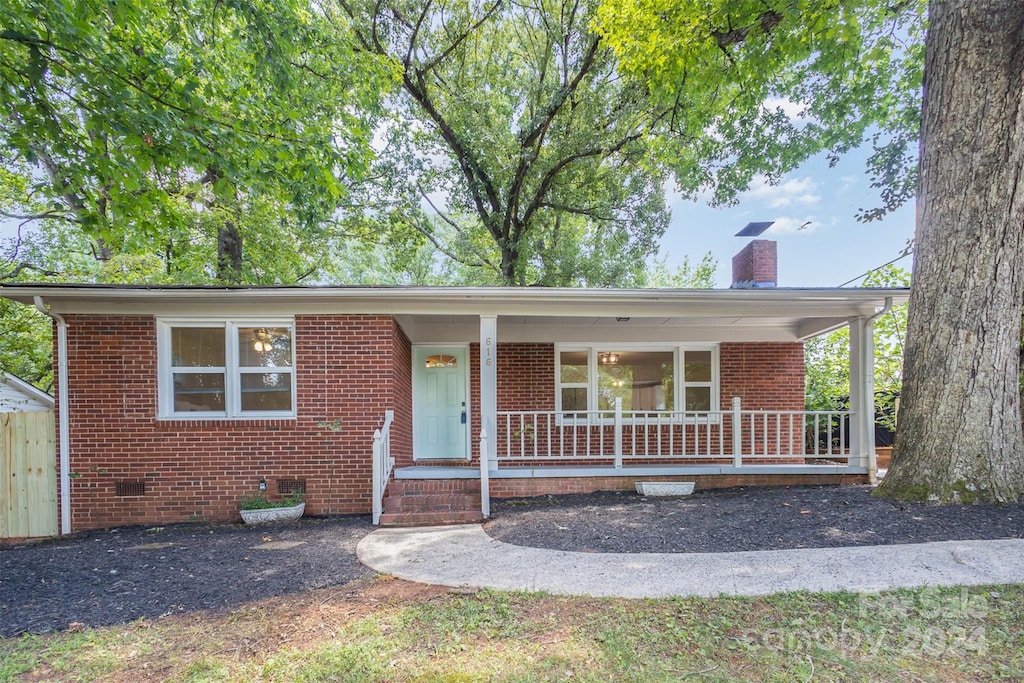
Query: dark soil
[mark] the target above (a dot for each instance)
(107, 577)
(741, 519)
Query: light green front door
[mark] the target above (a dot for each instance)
(440, 411)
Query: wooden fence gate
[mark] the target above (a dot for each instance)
(28, 475)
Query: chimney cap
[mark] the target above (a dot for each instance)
(755, 229)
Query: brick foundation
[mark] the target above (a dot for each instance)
(529, 487)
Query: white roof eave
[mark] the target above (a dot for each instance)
(466, 300)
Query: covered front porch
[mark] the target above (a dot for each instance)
(546, 409)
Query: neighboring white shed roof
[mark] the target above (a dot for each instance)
(18, 395)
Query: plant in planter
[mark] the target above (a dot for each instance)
(257, 508)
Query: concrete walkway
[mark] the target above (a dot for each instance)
(466, 556)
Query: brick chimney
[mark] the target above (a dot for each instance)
(756, 266)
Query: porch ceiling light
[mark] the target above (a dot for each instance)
(262, 342)
(611, 358)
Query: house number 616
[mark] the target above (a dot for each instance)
(488, 361)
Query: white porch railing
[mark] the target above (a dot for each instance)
(383, 463)
(613, 436)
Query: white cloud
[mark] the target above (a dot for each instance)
(785, 225)
(793, 192)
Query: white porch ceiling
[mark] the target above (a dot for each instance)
(464, 329)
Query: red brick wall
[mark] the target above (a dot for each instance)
(349, 368)
(526, 381)
(765, 376)
(401, 383)
(346, 369)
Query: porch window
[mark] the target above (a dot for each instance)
(648, 380)
(573, 375)
(642, 379)
(226, 369)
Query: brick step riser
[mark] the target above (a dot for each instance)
(428, 488)
(415, 503)
(395, 519)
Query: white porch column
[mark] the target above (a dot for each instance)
(862, 394)
(489, 386)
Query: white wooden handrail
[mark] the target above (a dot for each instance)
(383, 464)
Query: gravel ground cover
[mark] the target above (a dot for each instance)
(100, 578)
(736, 519)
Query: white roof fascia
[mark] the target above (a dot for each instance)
(804, 303)
(27, 389)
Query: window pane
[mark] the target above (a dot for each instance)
(441, 360)
(264, 347)
(201, 391)
(698, 398)
(267, 391)
(197, 347)
(642, 379)
(574, 399)
(698, 366)
(573, 367)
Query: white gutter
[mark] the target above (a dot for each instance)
(63, 415)
(885, 309)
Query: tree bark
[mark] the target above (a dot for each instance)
(960, 437)
(229, 254)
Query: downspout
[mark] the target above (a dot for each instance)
(868, 391)
(63, 430)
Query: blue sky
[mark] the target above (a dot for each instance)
(834, 248)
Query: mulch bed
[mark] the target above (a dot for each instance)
(741, 519)
(100, 578)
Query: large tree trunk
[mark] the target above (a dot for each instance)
(229, 254)
(960, 423)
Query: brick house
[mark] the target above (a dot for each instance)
(174, 402)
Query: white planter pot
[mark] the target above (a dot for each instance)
(664, 488)
(273, 514)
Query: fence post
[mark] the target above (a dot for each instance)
(378, 456)
(485, 477)
(737, 433)
(618, 432)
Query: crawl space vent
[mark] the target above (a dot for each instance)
(289, 486)
(130, 488)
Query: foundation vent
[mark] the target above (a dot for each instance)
(289, 486)
(125, 489)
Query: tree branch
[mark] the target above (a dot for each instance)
(25, 265)
(549, 178)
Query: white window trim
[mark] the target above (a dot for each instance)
(232, 371)
(679, 383)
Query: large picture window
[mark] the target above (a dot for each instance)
(648, 380)
(226, 369)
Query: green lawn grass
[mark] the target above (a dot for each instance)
(389, 630)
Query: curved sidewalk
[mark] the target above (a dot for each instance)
(467, 556)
